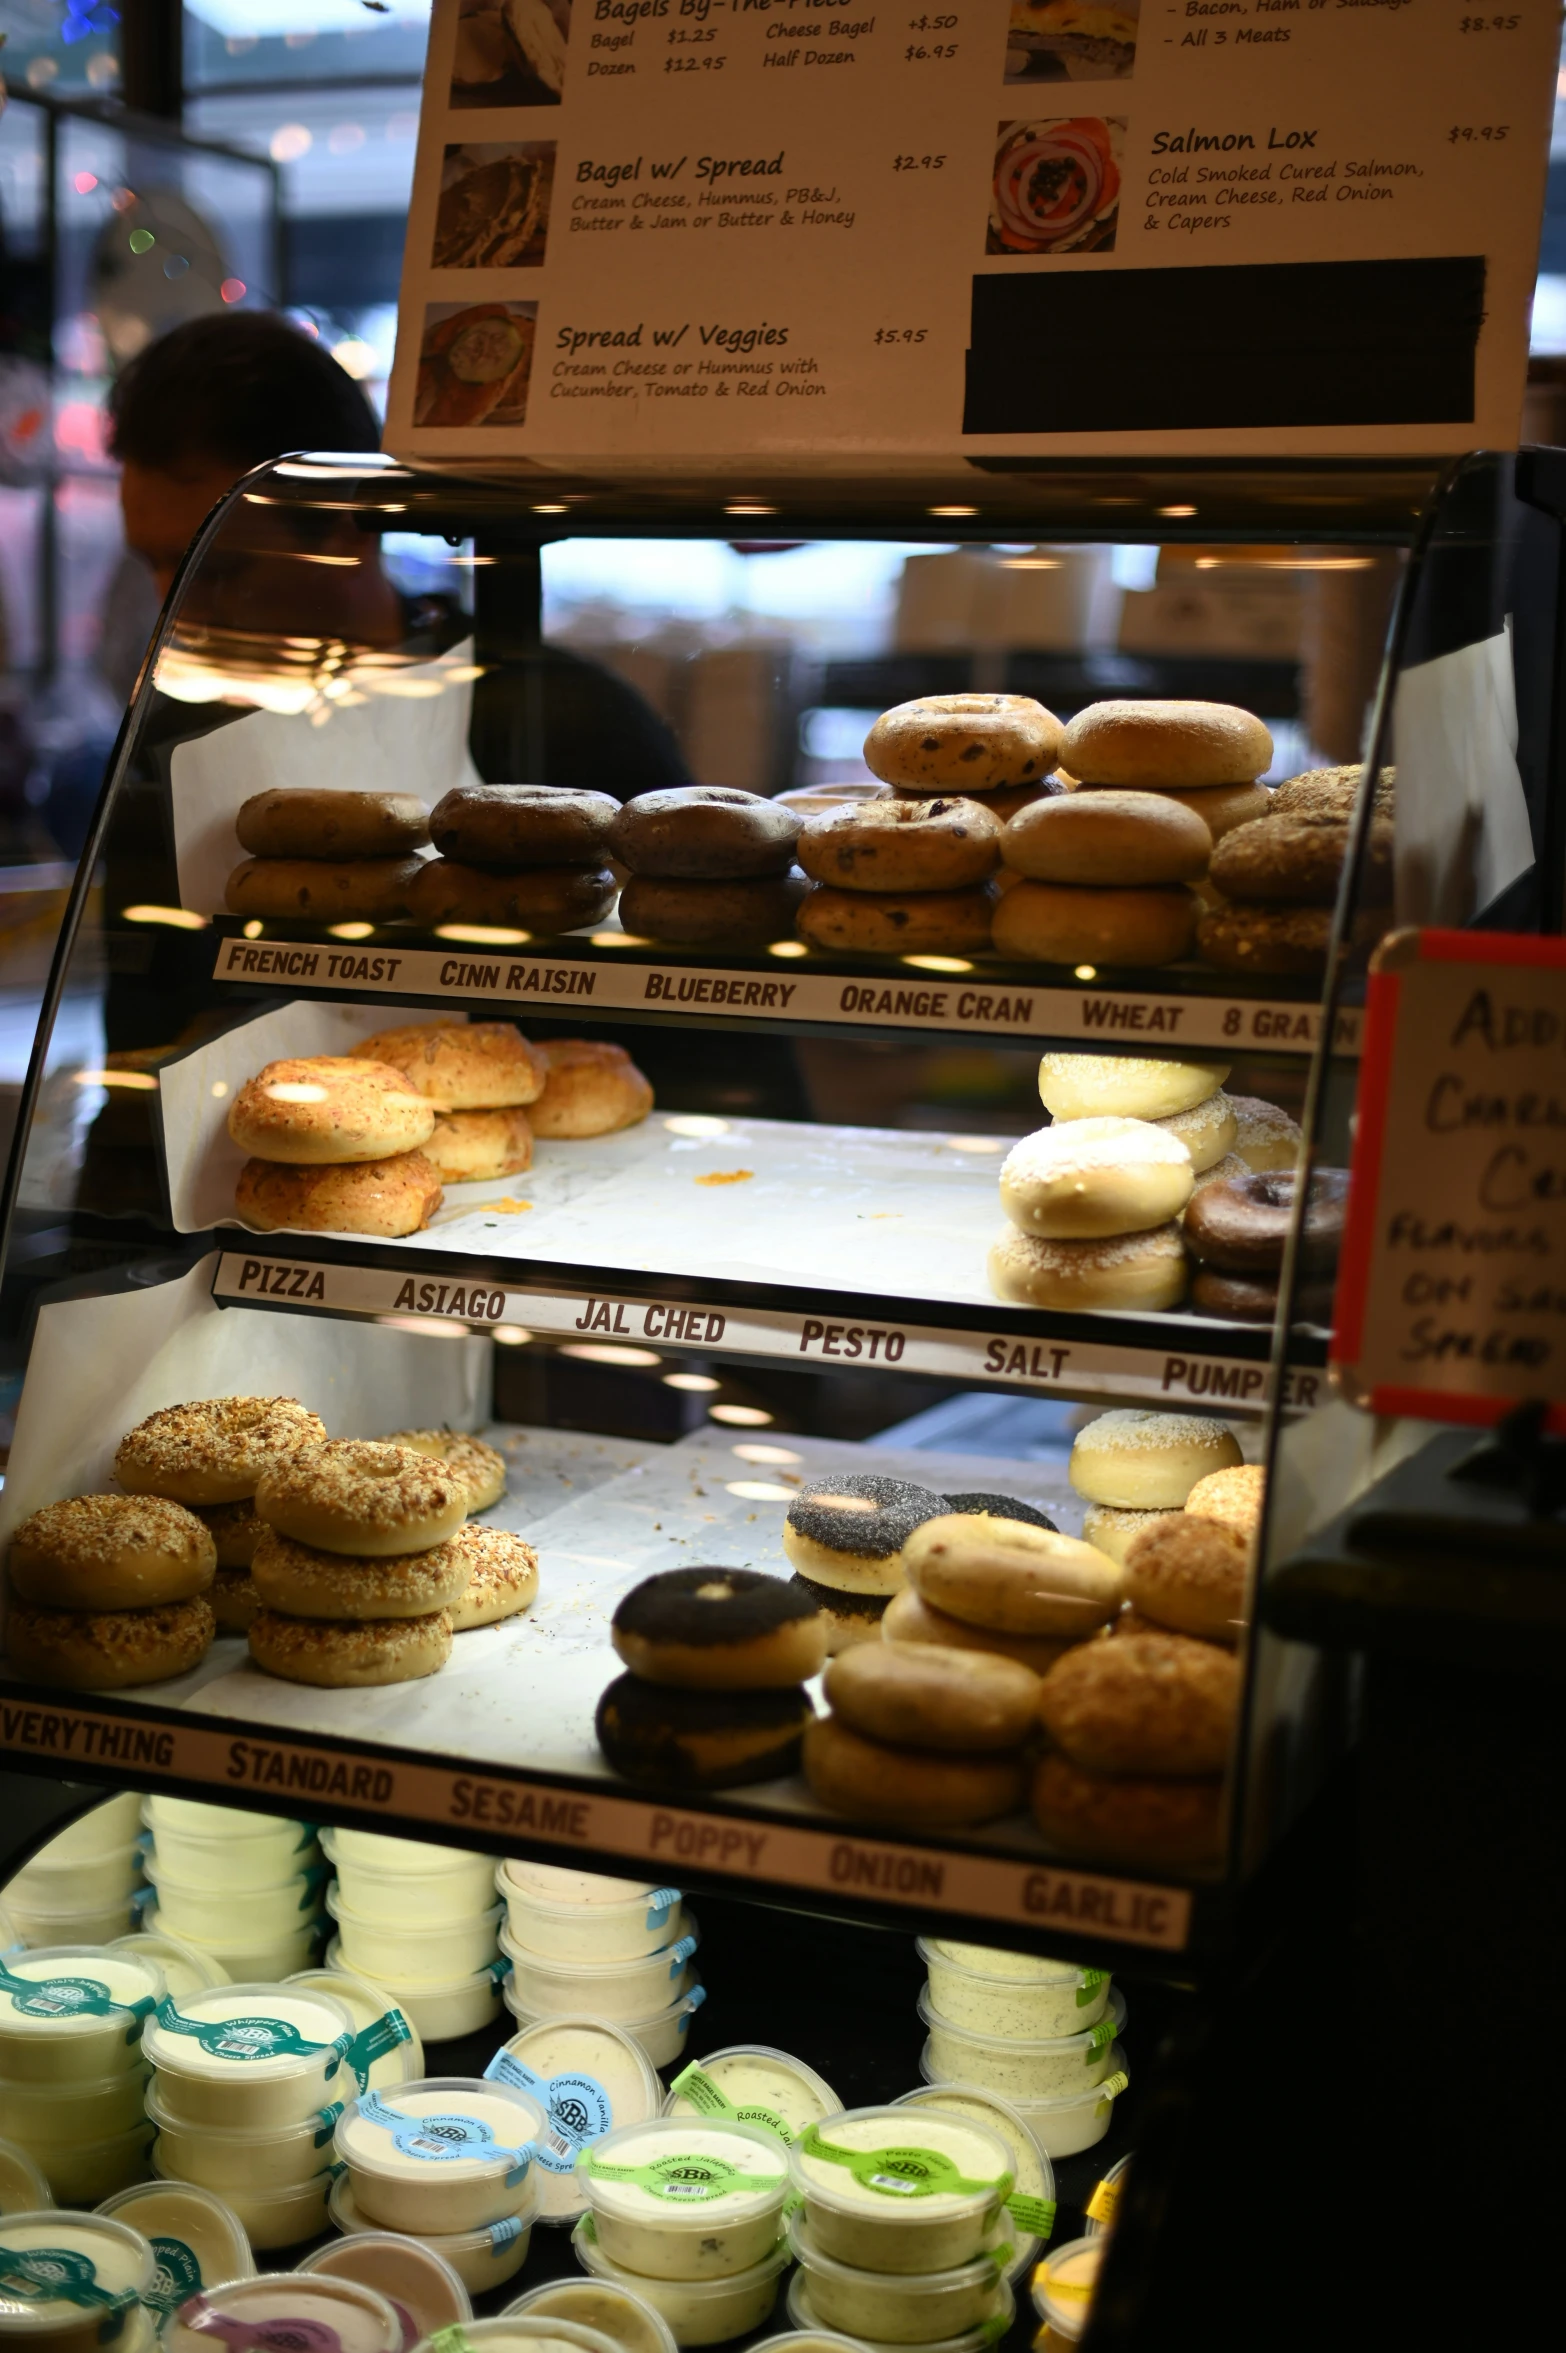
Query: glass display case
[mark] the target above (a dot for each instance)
(804, 1256)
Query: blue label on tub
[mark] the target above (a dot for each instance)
(445, 2139)
(576, 2109)
(680, 1953)
(502, 2234)
(660, 1904)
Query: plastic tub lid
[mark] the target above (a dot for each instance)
(1064, 2282)
(23, 2189)
(699, 2291)
(67, 1989)
(654, 2334)
(179, 2266)
(797, 2340)
(678, 2170)
(185, 1966)
(316, 2129)
(10, 1934)
(391, 1858)
(109, 2270)
(1032, 2209)
(699, 2091)
(473, 2130)
(286, 2194)
(1011, 1969)
(1108, 2087)
(266, 2032)
(578, 2105)
(287, 2307)
(291, 1946)
(558, 1894)
(802, 2314)
(986, 2269)
(190, 1818)
(526, 2329)
(296, 1892)
(427, 1989)
(47, 1863)
(1089, 2040)
(667, 1961)
(346, 2217)
(419, 2285)
(953, 2164)
(689, 2002)
(339, 1910)
(367, 2005)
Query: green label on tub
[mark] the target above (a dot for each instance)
(178, 2275)
(452, 2340)
(710, 2099)
(1098, 2039)
(685, 2180)
(1088, 1983)
(244, 2038)
(64, 1997)
(1034, 2215)
(1110, 2090)
(902, 2172)
(57, 2275)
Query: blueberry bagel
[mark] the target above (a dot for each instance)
(719, 1630)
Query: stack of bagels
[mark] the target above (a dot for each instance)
(1274, 884)
(324, 856)
(335, 1145)
(710, 867)
(524, 857)
(477, 1079)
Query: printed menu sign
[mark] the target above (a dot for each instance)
(650, 231)
(1451, 1298)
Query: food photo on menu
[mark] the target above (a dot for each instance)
(1071, 41)
(1056, 186)
(493, 212)
(474, 363)
(510, 53)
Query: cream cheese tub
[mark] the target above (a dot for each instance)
(392, 1858)
(1011, 1994)
(436, 1886)
(101, 1829)
(71, 1882)
(1030, 2209)
(73, 2013)
(482, 2259)
(235, 1865)
(439, 2012)
(285, 2308)
(241, 2156)
(1103, 2207)
(448, 2154)
(905, 2308)
(84, 2173)
(44, 2114)
(753, 2084)
(565, 1915)
(628, 2321)
(272, 2218)
(1077, 2120)
(810, 2331)
(1022, 2072)
(421, 2287)
(410, 1953)
(588, 2077)
(23, 2189)
(198, 2241)
(685, 2198)
(185, 1967)
(40, 1921)
(662, 2036)
(888, 2191)
(609, 1989)
(808, 2341)
(251, 1964)
(698, 2312)
(250, 2055)
(189, 1817)
(402, 2061)
(224, 1916)
(70, 2281)
(1064, 2283)
(525, 2332)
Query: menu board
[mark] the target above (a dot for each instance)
(1451, 1301)
(646, 232)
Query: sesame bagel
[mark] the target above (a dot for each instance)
(1145, 1270)
(108, 1650)
(511, 825)
(502, 1576)
(850, 1532)
(1088, 1177)
(386, 1198)
(1187, 744)
(1108, 837)
(480, 1468)
(475, 1147)
(214, 1449)
(312, 821)
(718, 1630)
(355, 1496)
(460, 1066)
(324, 890)
(347, 1655)
(323, 1110)
(591, 1088)
(902, 845)
(963, 743)
(307, 1583)
(1018, 1579)
(110, 1552)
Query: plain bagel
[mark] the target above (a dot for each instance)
(310, 821)
(963, 743)
(1221, 807)
(849, 1774)
(704, 833)
(1151, 743)
(1070, 923)
(920, 1695)
(902, 845)
(1108, 838)
(1013, 1577)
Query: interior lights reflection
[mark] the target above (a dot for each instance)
(511, 1335)
(754, 1453)
(759, 1491)
(481, 935)
(788, 948)
(1087, 971)
(177, 918)
(978, 1143)
(600, 1352)
(253, 929)
(696, 1123)
(938, 963)
(698, 1383)
(433, 1327)
(138, 1081)
(740, 1417)
(350, 931)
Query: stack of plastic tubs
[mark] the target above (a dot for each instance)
(466, 2190)
(82, 1887)
(687, 2213)
(419, 1923)
(100, 2275)
(243, 1889)
(1042, 2033)
(585, 1945)
(72, 2075)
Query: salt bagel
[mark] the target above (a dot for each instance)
(305, 1582)
(1149, 1703)
(1088, 1177)
(1234, 1496)
(718, 1629)
(481, 1468)
(355, 1496)
(110, 1552)
(1221, 807)
(1123, 1271)
(471, 1147)
(1070, 923)
(1265, 1137)
(1188, 744)
(897, 923)
(704, 833)
(850, 1531)
(591, 1088)
(902, 845)
(651, 1732)
(740, 914)
(1108, 837)
(1189, 1573)
(544, 899)
(1113, 1529)
(1128, 1818)
(1297, 861)
(1242, 1226)
(383, 1198)
(511, 825)
(312, 821)
(910, 1618)
(460, 1066)
(502, 1577)
(1139, 1460)
(1016, 1578)
(906, 1787)
(349, 1654)
(214, 1449)
(1207, 1130)
(325, 1109)
(108, 1650)
(945, 743)
(1090, 1086)
(919, 1695)
(324, 890)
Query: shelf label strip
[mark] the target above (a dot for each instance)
(1074, 1367)
(257, 1765)
(973, 1005)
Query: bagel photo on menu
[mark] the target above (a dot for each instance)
(510, 53)
(1056, 185)
(493, 212)
(474, 362)
(1071, 41)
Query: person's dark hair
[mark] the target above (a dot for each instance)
(238, 386)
